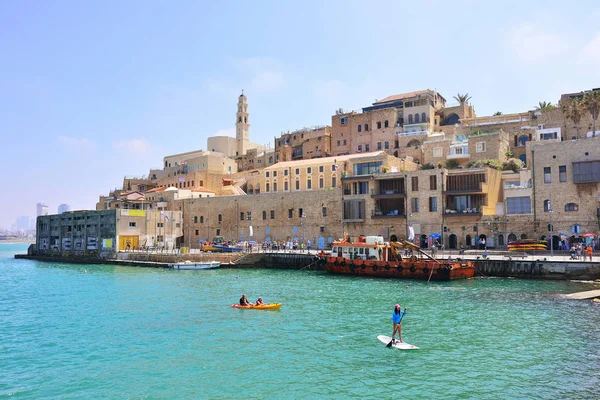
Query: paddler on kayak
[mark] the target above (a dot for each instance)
(259, 302)
(244, 301)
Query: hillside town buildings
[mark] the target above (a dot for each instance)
(408, 165)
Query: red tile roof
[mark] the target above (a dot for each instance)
(402, 96)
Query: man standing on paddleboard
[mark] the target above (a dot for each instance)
(397, 316)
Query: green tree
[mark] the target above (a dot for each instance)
(498, 113)
(591, 103)
(544, 105)
(462, 98)
(573, 111)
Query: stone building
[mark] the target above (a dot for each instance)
(304, 143)
(566, 188)
(108, 230)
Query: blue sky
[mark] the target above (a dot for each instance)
(93, 91)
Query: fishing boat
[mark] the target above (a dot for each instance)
(191, 265)
(371, 256)
(527, 245)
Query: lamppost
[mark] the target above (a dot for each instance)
(405, 188)
(442, 198)
(189, 223)
(550, 229)
(302, 225)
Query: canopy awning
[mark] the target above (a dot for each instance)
(435, 236)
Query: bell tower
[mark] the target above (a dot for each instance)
(242, 126)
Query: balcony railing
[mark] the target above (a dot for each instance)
(457, 156)
(463, 213)
(387, 214)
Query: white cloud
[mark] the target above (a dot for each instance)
(590, 54)
(139, 146)
(267, 82)
(256, 75)
(534, 46)
(77, 144)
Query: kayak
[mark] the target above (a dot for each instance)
(272, 306)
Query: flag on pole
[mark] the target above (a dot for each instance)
(411, 233)
(251, 231)
(164, 215)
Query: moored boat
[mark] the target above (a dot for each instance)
(191, 265)
(371, 256)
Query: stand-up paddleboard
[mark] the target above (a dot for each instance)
(397, 345)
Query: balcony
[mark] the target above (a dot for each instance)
(389, 194)
(494, 120)
(392, 214)
(414, 129)
(458, 156)
(467, 212)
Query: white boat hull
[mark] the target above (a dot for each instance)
(195, 265)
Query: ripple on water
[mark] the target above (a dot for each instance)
(141, 333)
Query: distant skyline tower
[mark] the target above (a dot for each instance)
(242, 126)
(23, 223)
(64, 208)
(42, 209)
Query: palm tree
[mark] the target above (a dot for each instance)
(462, 98)
(591, 103)
(574, 110)
(498, 113)
(544, 105)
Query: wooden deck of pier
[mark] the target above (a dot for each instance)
(590, 294)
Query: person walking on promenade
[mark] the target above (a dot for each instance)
(397, 316)
(589, 251)
(308, 245)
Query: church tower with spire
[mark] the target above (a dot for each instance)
(242, 126)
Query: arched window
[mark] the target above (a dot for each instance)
(297, 183)
(386, 124)
(523, 236)
(378, 124)
(523, 140)
(366, 127)
(410, 118)
(360, 128)
(220, 217)
(571, 207)
(274, 185)
(201, 219)
(451, 119)
(417, 118)
(285, 186)
(413, 143)
(547, 206)
(267, 187)
(500, 240)
(196, 220)
(423, 117)
(240, 119)
(512, 238)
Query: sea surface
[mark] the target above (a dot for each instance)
(71, 331)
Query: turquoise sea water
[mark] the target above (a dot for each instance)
(124, 332)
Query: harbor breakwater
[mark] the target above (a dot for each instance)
(528, 268)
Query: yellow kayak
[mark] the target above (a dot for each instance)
(272, 306)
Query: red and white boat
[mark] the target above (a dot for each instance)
(371, 256)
